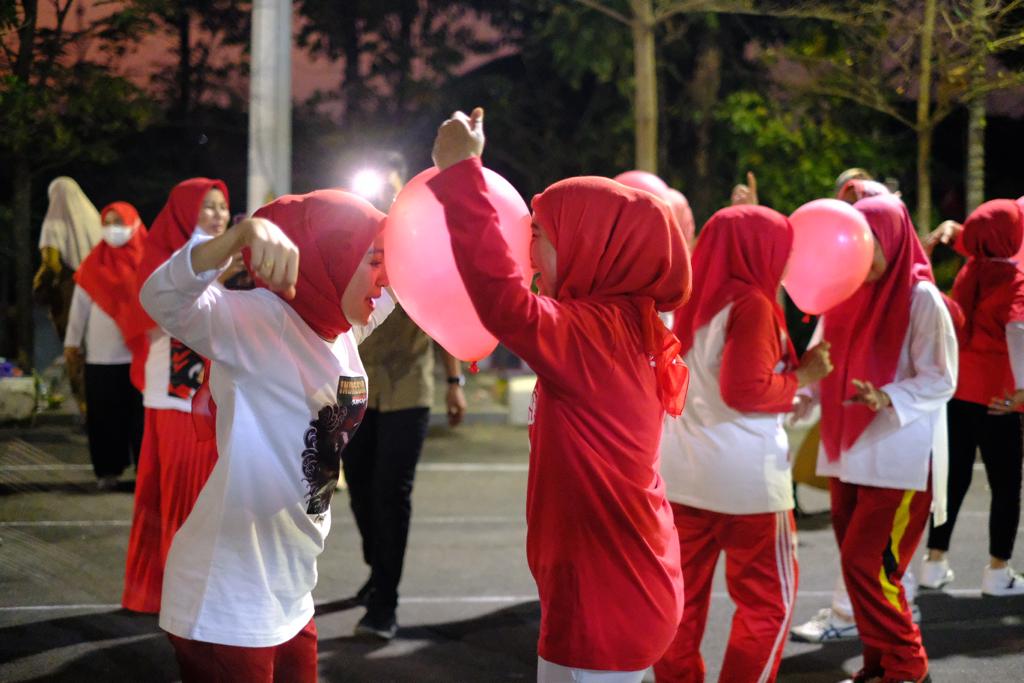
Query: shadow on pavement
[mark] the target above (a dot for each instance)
(951, 627)
(498, 646)
(118, 645)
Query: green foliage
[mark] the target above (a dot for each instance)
(82, 113)
(796, 149)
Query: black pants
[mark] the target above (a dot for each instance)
(380, 465)
(115, 418)
(1002, 450)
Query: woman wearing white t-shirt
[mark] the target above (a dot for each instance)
(725, 460)
(290, 390)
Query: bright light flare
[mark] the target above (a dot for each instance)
(368, 183)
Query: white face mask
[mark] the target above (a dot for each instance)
(117, 235)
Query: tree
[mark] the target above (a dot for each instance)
(916, 62)
(200, 31)
(395, 54)
(53, 108)
(644, 17)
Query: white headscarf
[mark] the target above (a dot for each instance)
(72, 225)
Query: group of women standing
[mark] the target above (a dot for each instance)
(630, 498)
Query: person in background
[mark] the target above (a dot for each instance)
(883, 439)
(290, 392)
(99, 316)
(600, 540)
(985, 413)
(70, 230)
(380, 462)
(175, 462)
(725, 460)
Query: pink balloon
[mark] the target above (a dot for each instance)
(421, 266)
(642, 180)
(832, 252)
(683, 213)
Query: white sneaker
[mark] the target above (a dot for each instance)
(1000, 582)
(825, 626)
(935, 574)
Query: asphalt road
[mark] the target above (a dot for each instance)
(468, 610)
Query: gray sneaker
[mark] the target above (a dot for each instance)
(825, 626)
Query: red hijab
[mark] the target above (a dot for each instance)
(867, 330)
(990, 287)
(616, 243)
(333, 230)
(108, 273)
(741, 248)
(861, 188)
(172, 228)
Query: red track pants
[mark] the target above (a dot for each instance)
(761, 572)
(878, 530)
(293, 661)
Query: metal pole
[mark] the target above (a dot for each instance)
(270, 102)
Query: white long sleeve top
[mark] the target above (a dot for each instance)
(714, 457)
(104, 344)
(908, 439)
(242, 567)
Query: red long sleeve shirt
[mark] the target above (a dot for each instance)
(600, 542)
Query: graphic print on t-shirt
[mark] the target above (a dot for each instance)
(326, 438)
(186, 374)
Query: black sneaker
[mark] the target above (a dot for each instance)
(381, 626)
(362, 596)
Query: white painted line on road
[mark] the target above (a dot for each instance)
(450, 600)
(52, 467)
(473, 467)
(423, 467)
(68, 523)
(57, 523)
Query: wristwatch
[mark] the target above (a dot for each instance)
(459, 380)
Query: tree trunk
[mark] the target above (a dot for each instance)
(184, 23)
(975, 154)
(21, 203)
(976, 114)
(645, 74)
(924, 123)
(707, 80)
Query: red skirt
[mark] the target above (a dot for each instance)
(173, 467)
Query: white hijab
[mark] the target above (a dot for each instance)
(72, 223)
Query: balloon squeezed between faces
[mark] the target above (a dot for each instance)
(832, 252)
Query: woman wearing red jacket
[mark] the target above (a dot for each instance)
(985, 412)
(600, 540)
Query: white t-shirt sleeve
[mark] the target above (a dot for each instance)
(934, 358)
(229, 327)
(78, 317)
(1015, 345)
(383, 308)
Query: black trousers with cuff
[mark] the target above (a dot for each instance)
(114, 420)
(999, 438)
(380, 467)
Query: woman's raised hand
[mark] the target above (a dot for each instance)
(459, 138)
(273, 257)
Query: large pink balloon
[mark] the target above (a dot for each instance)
(683, 213)
(421, 266)
(832, 252)
(642, 180)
